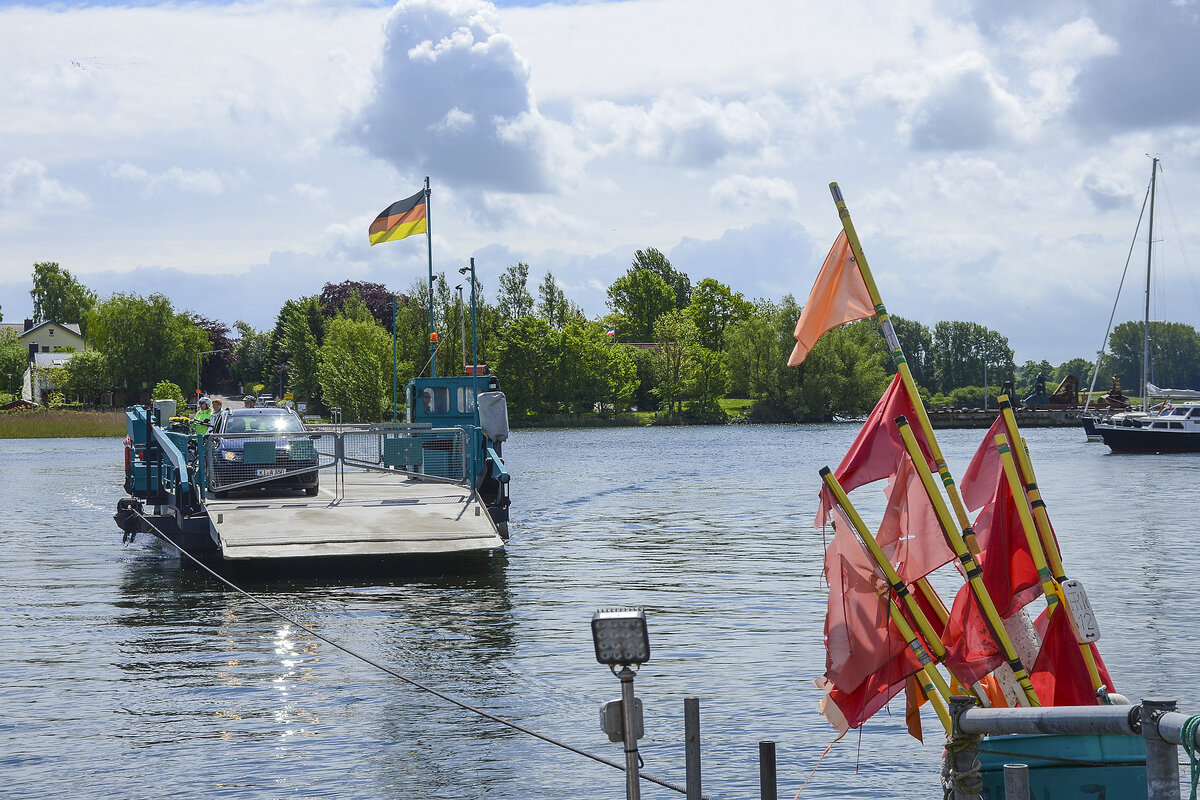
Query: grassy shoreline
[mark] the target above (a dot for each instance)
(39, 424)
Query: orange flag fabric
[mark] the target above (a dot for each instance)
(839, 296)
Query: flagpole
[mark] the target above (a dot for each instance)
(973, 573)
(394, 358)
(889, 333)
(932, 682)
(900, 591)
(1049, 547)
(429, 248)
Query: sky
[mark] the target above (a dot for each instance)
(231, 155)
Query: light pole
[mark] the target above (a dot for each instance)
(985, 383)
(462, 324)
(204, 353)
(474, 338)
(620, 637)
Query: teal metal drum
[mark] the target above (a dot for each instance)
(1065, 767)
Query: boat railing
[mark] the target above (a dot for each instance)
(1155, 721)
(242, 460)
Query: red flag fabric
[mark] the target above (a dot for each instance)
(839, 296)
(1008, 569)
(859, 636)
(878, 449)
(910, 533)
(867, 660)
(1011, 581)
(1060, 674)
(979, 481)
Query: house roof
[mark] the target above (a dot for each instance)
(73, 327)
(51, 359)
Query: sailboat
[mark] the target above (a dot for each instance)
(1174, 425)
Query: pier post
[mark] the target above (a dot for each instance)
(767, 780)
(1162, 757)
(691, 731)
(960, 773)
(1016, 782)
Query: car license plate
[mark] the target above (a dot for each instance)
(262, 473)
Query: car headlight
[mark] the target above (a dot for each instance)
(229, 455)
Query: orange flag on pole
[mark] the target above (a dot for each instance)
(839, 296)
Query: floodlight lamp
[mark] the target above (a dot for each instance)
(463, 270)
(620, 636)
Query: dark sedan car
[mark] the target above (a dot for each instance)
(250, 443)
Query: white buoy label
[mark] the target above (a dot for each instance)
(1087, 629)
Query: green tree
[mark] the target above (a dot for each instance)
(708, 384)
(514, 300)
(652, 260)
(552, 302)
(959, 351)
(678, 340)
(169, 390)
(146, 341)
(355, 370)
(640, 297)
(88, 375)
(58, 296)
(756, 353)
(712, 307)
(527, 356)
(249, 353)
(843, 375)
(917, 343)
(14, 360)
(1081, 368)
(1174, 355)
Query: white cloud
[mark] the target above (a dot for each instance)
(25, 186)
(198, 181)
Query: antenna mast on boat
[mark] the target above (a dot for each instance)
(1146, 321)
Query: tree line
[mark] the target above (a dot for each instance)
(665, 345)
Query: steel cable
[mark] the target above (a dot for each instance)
(410, 681)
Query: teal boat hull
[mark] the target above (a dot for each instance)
(1067, 767)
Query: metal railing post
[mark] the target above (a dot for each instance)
(768, 784)
(691, 733)
(961, 772)
(1016, 782)
(1162, 757)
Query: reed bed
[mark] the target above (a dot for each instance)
(38, 424)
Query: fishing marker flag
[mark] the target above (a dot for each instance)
(400, 220)
(839, 296)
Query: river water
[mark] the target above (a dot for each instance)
(126, 675)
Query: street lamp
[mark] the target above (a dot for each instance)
(474, 338)
(621, 640)
(462, 324)
(204, 353)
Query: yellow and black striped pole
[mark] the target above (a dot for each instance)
(900, 592)
(893, 342)
(931, 680)
(970, 566)
(1045, 534)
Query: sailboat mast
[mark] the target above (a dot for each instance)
(1146, 321)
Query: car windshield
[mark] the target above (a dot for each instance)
(264, 423)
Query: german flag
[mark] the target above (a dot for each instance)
(401, 219)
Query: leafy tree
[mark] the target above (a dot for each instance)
(356, 368)
(146, 341)
(527, 357)
(917, 343)
(375, 297)
(87, 375)
(14, 360)
(215, 368)
(652, 260)
(756, 353)
(168, 390)
(640, 297)
(58, 296)
(249, 353)
(646, 372)
(843, 375)
(514, 300)
(1026, 377)
(1174, 355)
(1081, 368)
(293, 352)
(677, 340)
(712, 307)
(959, 351)
(552, 302)
(708, 384)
